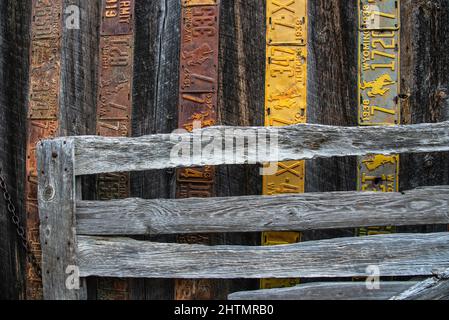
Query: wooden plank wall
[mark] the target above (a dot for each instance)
(156, 65)
(332, 95)
(240, 102)
(424, 89)
(15, 18)
(79, 78)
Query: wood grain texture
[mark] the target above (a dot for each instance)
(240, 103)
(57, 196)
(395, 255)
(305, 141)
(78, 94)
(155, 83)
(15, 18)
(332, 86)
(424, 89)
(312, 211)
(327, 291)
(436, 288)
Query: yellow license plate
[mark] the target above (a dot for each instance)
(378, 173)
(285, 103)
(286, 81)
(286, 22)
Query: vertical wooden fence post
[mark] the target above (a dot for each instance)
(57, 196)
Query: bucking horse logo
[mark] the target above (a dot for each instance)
(377, 86)
(198, 56)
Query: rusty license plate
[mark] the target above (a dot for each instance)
(117, 17)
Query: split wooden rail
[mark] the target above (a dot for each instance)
(93, 237)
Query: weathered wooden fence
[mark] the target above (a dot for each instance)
(91, 235)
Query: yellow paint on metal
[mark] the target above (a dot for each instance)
(379, 78)
(189, 3)
(286, 22)
(285, 103)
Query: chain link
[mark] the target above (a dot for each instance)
(31, 258)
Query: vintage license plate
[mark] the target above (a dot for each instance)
(117, 17)
(288, 179)
(45, 60)
(198, 87)
(286, 81)
(114, 108)
(379, 78)
(200, 107)
(379, 14)
(43, 114)
(188, 3)
(199, 49)
(114, 99)
(287, 22)
(378, 173)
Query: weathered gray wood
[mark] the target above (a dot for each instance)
(298, 212)
(155, 86)
(327, 291)
(436, 288)
(395, 255)
(331, 95)
(57, 197)
(241, 100)
(101, 154)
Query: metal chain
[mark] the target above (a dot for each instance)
(31, 258)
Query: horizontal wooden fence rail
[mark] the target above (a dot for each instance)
(395, 255)
(299, 212)
(327, 291)
(436, 288)
(79, 234)
(94, 155)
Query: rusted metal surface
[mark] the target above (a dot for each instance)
(285, 103)
(43, 114)
(379, 80)
(114, 107)
(197, 107)
(115, 82)
(117, 17)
